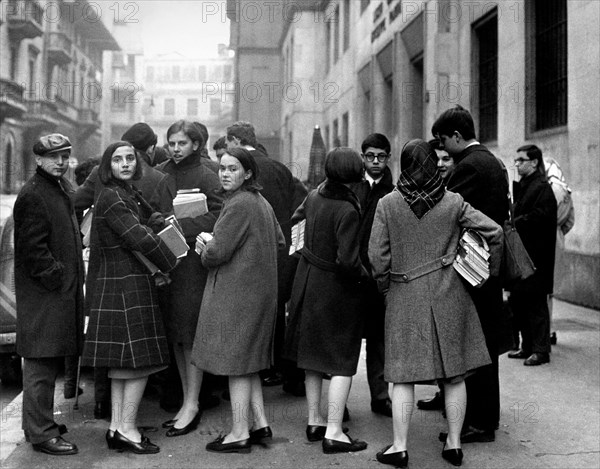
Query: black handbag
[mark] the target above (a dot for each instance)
(516, 263)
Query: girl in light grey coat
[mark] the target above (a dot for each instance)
(432, 331)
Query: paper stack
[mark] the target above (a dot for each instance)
(472, 258)
(189, 203)
(297, 237)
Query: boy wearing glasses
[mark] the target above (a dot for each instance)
(377, 183)
(479, 177)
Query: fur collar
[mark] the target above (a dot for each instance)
(338, 191)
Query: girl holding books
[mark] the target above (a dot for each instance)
(432, 331)
(125, 332)
(236, 326)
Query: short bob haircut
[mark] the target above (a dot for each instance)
(456, 119)
(105, 170)
(191, 129)
(534, 153)
(376, 141)
(244, 131)
(249, 164)
(344, 165)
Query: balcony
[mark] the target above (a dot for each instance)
(66, 109)
(11, 99)
(60, 48)
(41, 114)
(24, 19)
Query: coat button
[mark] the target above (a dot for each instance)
(444, 261)
(404, 277)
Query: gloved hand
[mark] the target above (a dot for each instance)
(156, 222)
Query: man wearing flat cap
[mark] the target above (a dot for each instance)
(49, 289)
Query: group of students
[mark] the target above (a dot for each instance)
(369, 247)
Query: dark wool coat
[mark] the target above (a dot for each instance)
(48, 269)
(126, 328)
(535, 220)
(325, 324)
(182, 298)
(237, 319)
(432, 330)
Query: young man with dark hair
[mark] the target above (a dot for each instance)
(479, 177)
(220, 146)
(377, 183)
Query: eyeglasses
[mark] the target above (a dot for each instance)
(521, 160)
(381, 157)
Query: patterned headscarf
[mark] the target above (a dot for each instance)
(420, 182)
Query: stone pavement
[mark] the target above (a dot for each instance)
(550, 418)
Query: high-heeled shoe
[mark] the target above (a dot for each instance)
(258, 436)
(217, 446)
(110, 439)
(317, 432)
(145, 446)
(190, 427)
(169, 423)
(397, 459)
(454, 456)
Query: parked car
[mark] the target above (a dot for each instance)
(10, 363)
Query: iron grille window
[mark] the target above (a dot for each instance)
(487, 37)
(550, 63)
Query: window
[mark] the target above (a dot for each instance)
(215, 106)
(326, 137)
(328, 47)
(169, 106)
(345, 122)
(192, 107)
(486, 32)
(202, 72)
(227, 75)
(550, 51)
(118, 99)
(336, 34)
(176, 73)
(336, 134)
(14, 55)
(346, 24)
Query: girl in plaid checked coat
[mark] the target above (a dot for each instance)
(126, 331)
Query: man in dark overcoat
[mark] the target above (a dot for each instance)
(535, 219)
(279, 189)
(377, 183)
(49, 289)
(479, 177)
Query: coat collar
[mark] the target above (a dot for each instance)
(471, 149)
(191, 161)
(62, 183)
(338, 191)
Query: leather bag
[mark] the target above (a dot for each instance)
(516, 263)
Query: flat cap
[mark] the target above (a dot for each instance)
(51, 144)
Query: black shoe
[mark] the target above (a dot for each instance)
(472, 435)
(174, 431)
(145, 446)
(257, 437)
(295, 388)
(336, 446)
(453, 456)
(56, 446)
(69, 392)
(398, 459)
(273, 379)
(102, 410)
(110, 439)
(553, 338)
(317, 432)
(382, 407)
(519, 354)
(537, 358)
(217, 446)
(435, 403)
(169, 423)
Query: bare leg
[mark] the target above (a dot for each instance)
(117, 387)
(314, 385)
(456, 407)
(191, 390)
(240, 388)
(257, 402)
(339, 388)
(133, 390)
(403, 402)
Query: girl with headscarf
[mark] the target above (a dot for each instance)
(325, 328)
(432, 331)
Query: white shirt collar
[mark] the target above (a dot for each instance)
(372, 181)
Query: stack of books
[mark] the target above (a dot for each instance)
(472, 258)
(172, 235)
(297, 237)
(189, 203)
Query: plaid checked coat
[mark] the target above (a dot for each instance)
(126, 328)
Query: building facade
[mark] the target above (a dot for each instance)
(392, 66)
(51, 80)
(177, 87)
